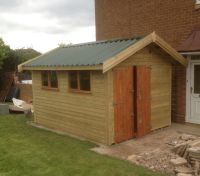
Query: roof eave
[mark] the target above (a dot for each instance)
(62, 68)
(171, 51)
(151, 38)
(22, 67)
(190, 52)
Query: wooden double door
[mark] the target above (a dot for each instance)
(132, 102)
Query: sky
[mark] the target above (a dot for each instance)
(43, 24)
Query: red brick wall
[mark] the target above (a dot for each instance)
(173, 20)
(179, 94)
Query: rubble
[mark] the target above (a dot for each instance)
(156, 150)
(183, 169)
(188, 150)
(179, 161)
(183, 159)
(155, 160)
(181, 174)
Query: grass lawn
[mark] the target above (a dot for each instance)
(28, 151)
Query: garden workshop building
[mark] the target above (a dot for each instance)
(105, 91)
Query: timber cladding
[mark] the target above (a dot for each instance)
(83, 115)
(91, 116)
(161, 70)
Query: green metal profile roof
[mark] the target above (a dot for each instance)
(93, 53)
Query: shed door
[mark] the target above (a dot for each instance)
(123, 103)
(143, 100)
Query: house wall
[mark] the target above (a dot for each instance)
(82, 115)
(172, 20)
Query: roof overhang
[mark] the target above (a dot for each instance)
(120, 57)
(190, 53)
(61, 68)
(151, 38)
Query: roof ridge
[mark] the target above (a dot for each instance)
(102, 41)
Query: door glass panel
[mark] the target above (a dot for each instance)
(197, 79)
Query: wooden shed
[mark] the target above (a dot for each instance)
(105, 91)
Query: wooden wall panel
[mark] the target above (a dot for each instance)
(83, 115)
(161, 69)
(123, 103)
(143, 99)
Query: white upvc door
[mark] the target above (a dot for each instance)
(194, 116)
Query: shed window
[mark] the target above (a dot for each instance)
(49, 79)
(45, 78)
(79, 81)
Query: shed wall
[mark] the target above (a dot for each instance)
(79, 114)
(161, 70)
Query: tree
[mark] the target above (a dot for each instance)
(25, 54)
(16, 57)
(4, 52)
(9, 59)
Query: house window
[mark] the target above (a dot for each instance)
(49, 79)
(79, 81)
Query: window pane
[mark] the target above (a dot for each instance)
(84, 80)
(73, 80)
(197, 79)
(54, 79)
(44, 78)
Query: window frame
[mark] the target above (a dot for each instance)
(78, 90)
(48, 87)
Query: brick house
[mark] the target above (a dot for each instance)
(176, 21)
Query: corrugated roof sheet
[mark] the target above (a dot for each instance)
(93, 53)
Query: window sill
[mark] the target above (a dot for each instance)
(80, 91)
(50, 88)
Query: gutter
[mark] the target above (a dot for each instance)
(190, 53)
